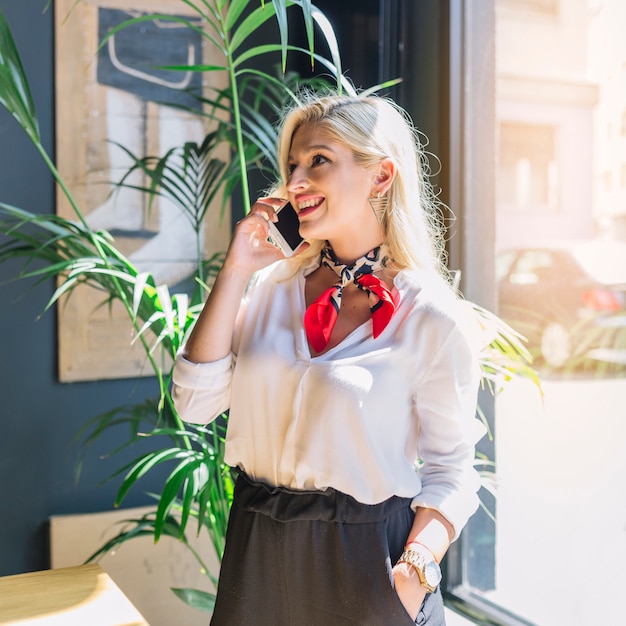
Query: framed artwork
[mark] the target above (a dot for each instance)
(117, 94)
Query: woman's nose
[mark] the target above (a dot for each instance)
(297, 180)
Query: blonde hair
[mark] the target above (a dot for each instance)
(374, 128)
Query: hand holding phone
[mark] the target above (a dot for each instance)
(285, 233)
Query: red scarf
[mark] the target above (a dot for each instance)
(321, 316)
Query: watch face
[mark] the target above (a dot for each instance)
(432, 574)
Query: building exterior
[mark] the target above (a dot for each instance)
(545, 104)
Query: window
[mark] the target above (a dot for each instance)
(527, 172)
(560, 459)
(515, 97)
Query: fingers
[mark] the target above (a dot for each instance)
(250, 245)
(257, 218)
(268, 207)
(409, 588)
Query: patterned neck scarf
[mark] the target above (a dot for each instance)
(321, 316)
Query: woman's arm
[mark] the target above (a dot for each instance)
(211, 338)
(203, 371)
(249, 251)
(434, 532)
(445, 405)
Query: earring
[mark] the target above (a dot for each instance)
(379, 206)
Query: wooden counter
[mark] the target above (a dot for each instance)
(73, 596)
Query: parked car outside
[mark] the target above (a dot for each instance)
(569, 301)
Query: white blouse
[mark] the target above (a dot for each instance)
(371, 417)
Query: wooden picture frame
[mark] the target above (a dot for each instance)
(115, 94)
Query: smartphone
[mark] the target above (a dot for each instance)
(285, 233)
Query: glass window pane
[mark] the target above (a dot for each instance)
(527, 177)
(557, 549)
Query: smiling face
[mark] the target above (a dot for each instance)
(330, 191)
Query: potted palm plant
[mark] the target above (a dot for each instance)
(199, 485)
(69, 251)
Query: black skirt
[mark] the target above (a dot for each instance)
(314, 559)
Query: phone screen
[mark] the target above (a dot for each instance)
(288, 226)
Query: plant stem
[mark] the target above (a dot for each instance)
(243, 169)
(234, 93)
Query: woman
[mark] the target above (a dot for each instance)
(341, 366)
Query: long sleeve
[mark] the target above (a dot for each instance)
(445, 404)
(201, 391)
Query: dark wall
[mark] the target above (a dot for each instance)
(39, 416)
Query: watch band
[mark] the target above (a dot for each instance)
(420, 560)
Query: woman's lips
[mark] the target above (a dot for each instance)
(308, 205)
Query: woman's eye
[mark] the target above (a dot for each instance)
(290, 168)
(318, 159)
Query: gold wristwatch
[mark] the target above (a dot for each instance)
(427, 568)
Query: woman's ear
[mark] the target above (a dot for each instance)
(385, 173)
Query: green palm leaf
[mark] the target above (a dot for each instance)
(15, 93)
(196, 598)
(235, 9)
(250, 25)
(504, 356)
